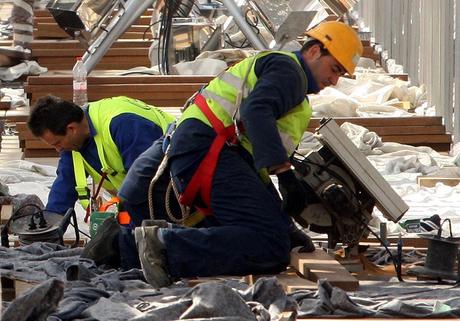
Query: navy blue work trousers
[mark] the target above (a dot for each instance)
(248, 231)
(134, 190)
(247, 234)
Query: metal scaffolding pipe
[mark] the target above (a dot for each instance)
(234, 11)
(133, 9)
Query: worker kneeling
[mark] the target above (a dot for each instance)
(101, 140)
(240, 128)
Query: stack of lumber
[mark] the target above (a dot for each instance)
(173, 91)
(369, 51)
(164, 91)
(5, 10)
(45, 27)
(303, 273)
(31, 145)
(54, 49)
(5, 104)
(416, 131)
(60, 54)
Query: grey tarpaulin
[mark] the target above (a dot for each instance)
(75, 289)
(37, 303)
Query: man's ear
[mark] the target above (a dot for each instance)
(313, 52)
(72, 128)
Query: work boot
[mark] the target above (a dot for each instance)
(103, 248)
(152, 256)
(159, 223)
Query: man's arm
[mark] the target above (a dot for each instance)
(63, 195)
(133, 135)
(278, 90)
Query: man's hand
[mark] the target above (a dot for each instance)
(293, 193)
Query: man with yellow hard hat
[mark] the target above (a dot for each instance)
(241, 128)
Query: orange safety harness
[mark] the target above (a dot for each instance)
(201, 181)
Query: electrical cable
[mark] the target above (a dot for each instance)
(147, 29)
(42, 222)
(80, 231)
(323, 167)
(15, 216)
(397, 269)
(244, 44)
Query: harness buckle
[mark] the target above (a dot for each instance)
(109, 171)
(83, 192)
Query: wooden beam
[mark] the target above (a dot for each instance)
(431, 181)
(292, 282)
(320, 265)
(6, 210)
(11, 288)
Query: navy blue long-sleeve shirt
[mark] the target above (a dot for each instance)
(279, 89)
(132, 135)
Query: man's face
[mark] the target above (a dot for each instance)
(326, 70)
(72, 140)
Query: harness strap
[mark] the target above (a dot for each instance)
(80, 179)
(202, 178)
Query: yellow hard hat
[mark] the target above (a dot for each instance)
(342, 42)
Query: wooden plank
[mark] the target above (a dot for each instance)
(26, 135)
(160, 88)
(419, 139)
(30, 153)
(404, 77)
(107, 62)
(320, 265)
(405, 130)
(62, 54)
(13, 288)
(49, 30)
(292, 282)
(37, 144)
(431, 181)
(142, 20)
(440, 147)
(6, 210)
(156, 94)
(58, 44)
(5, 105)
(15, 115)
(384, 121)
(415, 241)
(110, 77)
(46, 13)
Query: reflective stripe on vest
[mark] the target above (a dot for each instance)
(101, 114)
(225, 109)
(80, 179)
(290, 136)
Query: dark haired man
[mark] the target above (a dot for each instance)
(242, 127)
(101, 140)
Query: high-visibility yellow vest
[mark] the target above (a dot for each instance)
(225, 93)
(101, 114)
